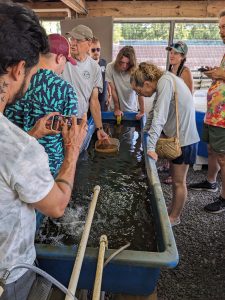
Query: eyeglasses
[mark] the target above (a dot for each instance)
(95, 49)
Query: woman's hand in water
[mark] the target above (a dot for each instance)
(102, 135)
(153, 155)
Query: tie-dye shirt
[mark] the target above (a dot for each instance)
(215, 114)
(47, 93)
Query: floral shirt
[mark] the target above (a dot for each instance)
(215, 114)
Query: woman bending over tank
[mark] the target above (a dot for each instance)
(146, 80)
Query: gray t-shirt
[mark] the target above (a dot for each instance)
(84, 77)
(127, 96)
(162, 117)
(25, 178)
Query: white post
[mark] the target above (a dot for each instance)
(82, 246)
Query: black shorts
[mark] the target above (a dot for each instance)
(188, 156)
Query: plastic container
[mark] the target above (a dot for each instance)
(131, 272)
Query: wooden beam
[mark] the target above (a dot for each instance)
(51, 5)
(76, 5)
(154, 9)
(46, 5)
(52, 15)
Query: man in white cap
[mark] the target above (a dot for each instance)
(86, 77)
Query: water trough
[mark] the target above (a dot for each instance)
(131, 272)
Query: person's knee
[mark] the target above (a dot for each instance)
(178, 182)
(221, 160)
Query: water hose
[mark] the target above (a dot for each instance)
(98, 277)
(83, 243)
(116, 253)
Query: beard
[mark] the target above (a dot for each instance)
(20, 93)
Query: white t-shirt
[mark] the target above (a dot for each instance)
(84, 77)
(25, 178)
(127, 96)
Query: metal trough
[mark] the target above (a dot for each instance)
(131, 272)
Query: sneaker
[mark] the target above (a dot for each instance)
(216, 207)
(204, 186)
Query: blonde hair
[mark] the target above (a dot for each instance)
(127, 51)
(145, 72)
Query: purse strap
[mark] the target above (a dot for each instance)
(176, 107)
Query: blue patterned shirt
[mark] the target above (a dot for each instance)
(47, 93)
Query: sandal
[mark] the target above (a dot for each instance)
(168, 180)
(175, 222)
(163, 168)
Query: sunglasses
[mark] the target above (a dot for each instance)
(95, 49)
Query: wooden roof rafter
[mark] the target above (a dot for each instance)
(155, 8)
(76, 5)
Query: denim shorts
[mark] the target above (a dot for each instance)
(188, 156)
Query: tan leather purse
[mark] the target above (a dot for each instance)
(170, 147)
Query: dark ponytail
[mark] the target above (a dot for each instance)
(180, 69)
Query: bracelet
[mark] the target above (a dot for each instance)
(99, 128)
(64, 181)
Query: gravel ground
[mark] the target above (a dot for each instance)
(200, 273)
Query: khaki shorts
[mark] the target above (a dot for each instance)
(215, 137)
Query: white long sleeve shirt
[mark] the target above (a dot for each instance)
(162, 117)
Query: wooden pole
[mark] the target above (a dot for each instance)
(83, 243)
(98, 277)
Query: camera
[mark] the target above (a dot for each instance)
(58, 120)
(203, 69)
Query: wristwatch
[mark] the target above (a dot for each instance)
(99, 128)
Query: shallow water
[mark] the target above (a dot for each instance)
(123, 209)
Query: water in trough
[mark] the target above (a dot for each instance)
(123, 210)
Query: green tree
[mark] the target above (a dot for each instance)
(117, 36)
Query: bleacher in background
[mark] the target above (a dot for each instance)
(208, 53)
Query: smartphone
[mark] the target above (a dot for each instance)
(79, 121)
(58, 120)
(203, 69)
